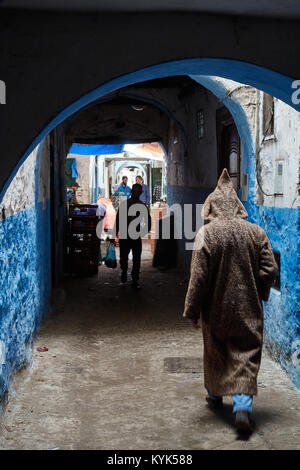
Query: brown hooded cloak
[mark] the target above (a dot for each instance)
(232, 271)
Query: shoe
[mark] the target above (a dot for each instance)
(243, 422)
(123, 278)
(215, 404)
(136, 285)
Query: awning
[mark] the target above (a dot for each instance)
(80, 149)
(74, 169)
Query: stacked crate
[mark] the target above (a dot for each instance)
(83, 243)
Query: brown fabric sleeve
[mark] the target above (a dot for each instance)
(198, 280)
(267, 268)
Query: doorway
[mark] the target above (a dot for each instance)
(228, 146)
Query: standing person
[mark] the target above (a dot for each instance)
(123, 188)
(145, 196)
(130, 231)
(232, 271)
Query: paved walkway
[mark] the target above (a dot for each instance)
(123, 372)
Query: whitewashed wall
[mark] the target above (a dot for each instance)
(20, 194)
(284, 145)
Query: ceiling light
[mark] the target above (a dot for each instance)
(137, 107)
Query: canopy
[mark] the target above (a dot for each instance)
(80, 149)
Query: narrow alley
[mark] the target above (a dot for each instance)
(124, 371)
(168, 130)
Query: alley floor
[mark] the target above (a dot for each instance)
(123, 370)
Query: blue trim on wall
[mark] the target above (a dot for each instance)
(271, 82)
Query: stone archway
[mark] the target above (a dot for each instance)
(264, 79)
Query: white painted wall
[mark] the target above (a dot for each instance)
(85, 166)
(20, 194)
(283, 146)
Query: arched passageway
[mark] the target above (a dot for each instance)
(204, 72)
(39, 72)
(261, 78)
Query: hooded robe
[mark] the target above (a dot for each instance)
(232, 271)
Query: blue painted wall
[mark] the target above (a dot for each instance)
(282, 311)
(25, 281)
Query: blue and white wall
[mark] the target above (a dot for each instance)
(25, 279)
(277, 214)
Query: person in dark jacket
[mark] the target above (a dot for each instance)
(145, 196)
(233, 269)
(133, 221)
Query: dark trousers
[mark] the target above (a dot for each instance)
(136, 247)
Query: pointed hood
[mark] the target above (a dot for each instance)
(223, 202)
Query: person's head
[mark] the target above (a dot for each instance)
(124, 180)
(139, 179)
(75, 186)
(115, 187)
(136, 191)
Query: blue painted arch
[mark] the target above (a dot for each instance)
(267, 80)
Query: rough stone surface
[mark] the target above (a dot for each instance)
(104, 384)
(24, 264)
